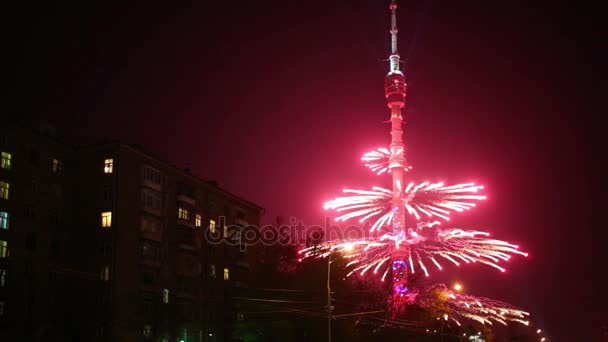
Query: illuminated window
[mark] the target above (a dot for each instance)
(108, 165)
(198, 220)
(106, 219)
(3, 249)
(3, 220)
(212, 271)
(165, 296)
(4, 187)
(104, 274)
(226, 274)
(5, 163)
(183, 213)
(57, 166)
(2, 277)
(225, 232)
(212, 226)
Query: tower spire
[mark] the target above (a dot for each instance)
(394, 57)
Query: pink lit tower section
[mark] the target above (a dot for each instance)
(394, 90)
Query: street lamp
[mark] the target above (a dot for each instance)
(457, 287)
(329, 297)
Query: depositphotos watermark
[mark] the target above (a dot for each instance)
(294, 233)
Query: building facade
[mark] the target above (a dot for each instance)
(115, 244)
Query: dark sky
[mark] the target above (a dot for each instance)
(277, 101)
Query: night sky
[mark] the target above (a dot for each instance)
(277, 101)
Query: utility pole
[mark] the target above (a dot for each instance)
(329, 298)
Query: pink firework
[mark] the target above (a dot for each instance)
(428, 248)
(422, 200)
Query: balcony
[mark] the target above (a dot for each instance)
(186, 199)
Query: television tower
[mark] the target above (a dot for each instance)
(394, 91)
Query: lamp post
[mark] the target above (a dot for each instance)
(329, 298)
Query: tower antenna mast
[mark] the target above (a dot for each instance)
(394, 91)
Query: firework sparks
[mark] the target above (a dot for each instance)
(453, 305)
(379, 160)
(426, 247)
(425, 199)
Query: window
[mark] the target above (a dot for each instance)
(150, 225)
(165, 296)
(3, 249)
(30, 242)
(108, 165)
(4, 187)
(225, 231)
(54, 218)
(150, 250)
(104, 274)
(226, 274)
(212, 271)
(30, 212)
(57, 166)
(2, 277)
(183, 213)
(198, 220)
(5, 163)
(152, 175)
(151, 199)
(212, 228)
(4, 220)
(106, 219)
(147, 331)
(148, 277)
(106, 192)
(34, 157)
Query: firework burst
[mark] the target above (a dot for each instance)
(451, 305)
(423, 200)
(427, 247)
(379, 159)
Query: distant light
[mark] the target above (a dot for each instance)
(542, 339)
(538, 331)
(348, 247)
(210, 334)
(458, 287)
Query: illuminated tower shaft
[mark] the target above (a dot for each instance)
(394, 90)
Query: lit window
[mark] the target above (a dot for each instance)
(212, 226)
(3, 220)
(212, 271)
(2, 277)
(226, 274)
(3, 249)
(6, 161)
(106, 219)
(165, 296)
(198, 220)
(104, 274)
(225, 232)
(57, 166)
(108, 166)
(4, 187)
(183, 213)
